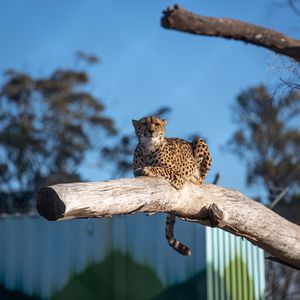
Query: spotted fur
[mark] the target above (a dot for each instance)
(174, 159)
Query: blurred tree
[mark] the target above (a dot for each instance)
(294, 5)
(47, 125)
(268, 140)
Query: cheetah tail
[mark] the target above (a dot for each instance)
(175, 244)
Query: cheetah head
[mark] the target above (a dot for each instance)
(150, 130)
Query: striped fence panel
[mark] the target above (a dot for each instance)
(235, 267)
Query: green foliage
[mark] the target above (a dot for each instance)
(192, 288)
(47, 125)
(238, 283)
(118, 276)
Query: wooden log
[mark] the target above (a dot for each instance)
(182, 20)
(210, 205)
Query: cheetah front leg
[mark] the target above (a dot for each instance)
(138, 162)
(172, 177)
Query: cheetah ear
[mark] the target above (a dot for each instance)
(165, 121)
(135, 123)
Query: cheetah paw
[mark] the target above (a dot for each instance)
(145, 171)
(148, 171)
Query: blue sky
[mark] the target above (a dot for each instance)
(145, 66)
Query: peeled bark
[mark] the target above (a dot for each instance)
(209, 205)
(180, 19)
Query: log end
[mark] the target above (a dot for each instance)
(49, 205)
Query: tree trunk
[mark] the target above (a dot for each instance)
(180, 19)
(209, 205)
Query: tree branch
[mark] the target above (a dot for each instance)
(180, 19)
(209, 205)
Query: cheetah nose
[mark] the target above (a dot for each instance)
(151, 130)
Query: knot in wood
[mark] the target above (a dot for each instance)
(215, 215)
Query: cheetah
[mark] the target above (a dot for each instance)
(174, 159)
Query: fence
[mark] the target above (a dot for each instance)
(125, 258)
